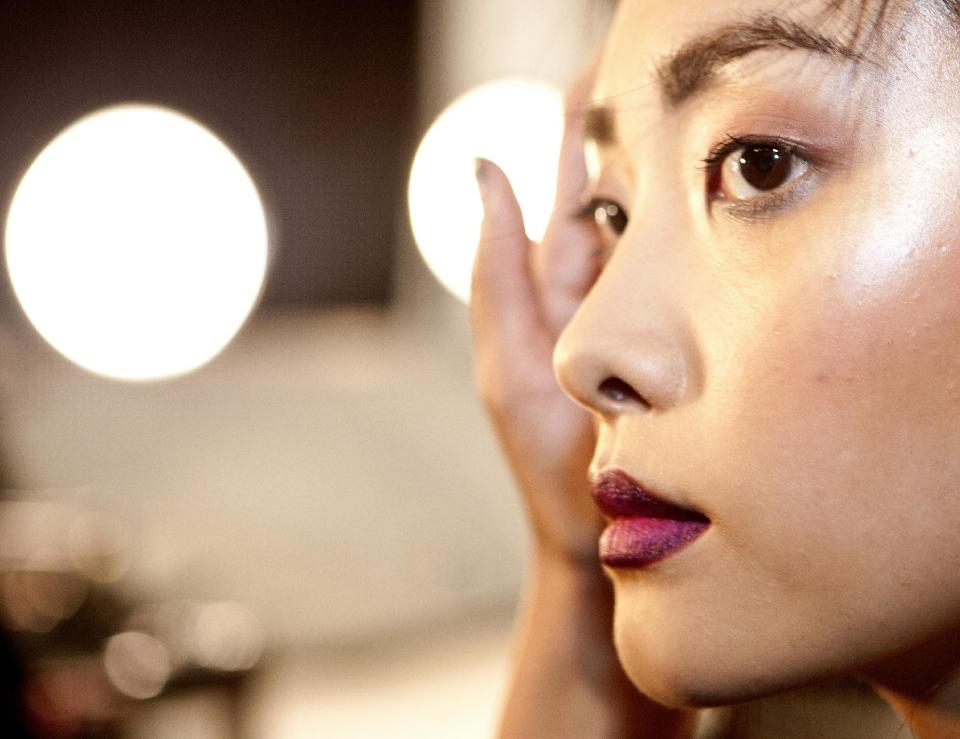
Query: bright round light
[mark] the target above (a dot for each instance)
(226, 636)
(137, 243)
(137, 664)
(517, 124)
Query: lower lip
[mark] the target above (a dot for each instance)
(638, 541)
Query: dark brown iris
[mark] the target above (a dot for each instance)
(765, 167)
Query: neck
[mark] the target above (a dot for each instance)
(923, 687)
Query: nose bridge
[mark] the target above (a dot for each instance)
(629, 347)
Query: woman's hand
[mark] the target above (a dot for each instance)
(523, 295)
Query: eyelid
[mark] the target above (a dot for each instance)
(770, 204)
(731, 143)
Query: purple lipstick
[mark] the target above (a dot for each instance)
(644, 529)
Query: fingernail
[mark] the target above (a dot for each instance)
(483, 174)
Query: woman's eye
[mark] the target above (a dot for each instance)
(608, 220)
(607, 215)
(755, 169)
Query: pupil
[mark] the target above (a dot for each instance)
(765, 167)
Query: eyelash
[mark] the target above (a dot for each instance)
(731, 143)
(753, 209)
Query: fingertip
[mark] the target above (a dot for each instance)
(500, 279)
(482, 168)
(502, 216)
(490, 180)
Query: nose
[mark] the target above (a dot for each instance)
(628, 348)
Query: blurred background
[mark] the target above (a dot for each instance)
(301, 528)
(247, 488)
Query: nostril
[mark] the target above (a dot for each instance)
(615, 389)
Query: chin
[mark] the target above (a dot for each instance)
(688, 660)
(699, 683)
(681, 685)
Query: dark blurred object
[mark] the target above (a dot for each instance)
(71, 699)
(316, 98)
(84, 656)
(12, 689)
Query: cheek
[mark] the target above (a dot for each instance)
(830, 438)
(850, 414)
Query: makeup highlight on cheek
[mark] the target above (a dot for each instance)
(864, 345)
(907, 234)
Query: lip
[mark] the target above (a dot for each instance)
(645, 528)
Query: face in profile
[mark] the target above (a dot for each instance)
(773, 344)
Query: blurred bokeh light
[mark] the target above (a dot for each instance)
(137, 243)
(516, 123)
(137, 664)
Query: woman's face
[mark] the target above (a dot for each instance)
(789, 317)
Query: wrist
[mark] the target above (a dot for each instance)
(566, 660)
(576, 598)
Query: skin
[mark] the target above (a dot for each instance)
(801, 367)
(523, 294)
(798, 368)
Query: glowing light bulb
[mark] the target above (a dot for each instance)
(516, 123)
(137, 243)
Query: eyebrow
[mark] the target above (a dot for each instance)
(694, 66)
(599, 125)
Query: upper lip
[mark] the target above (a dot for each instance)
(618, 495)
